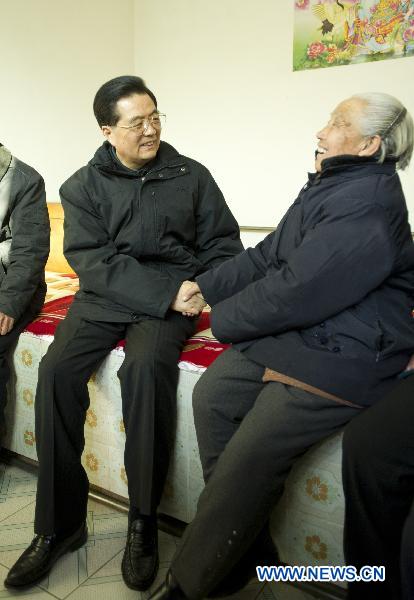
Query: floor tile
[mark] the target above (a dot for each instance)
(283, 591)
(104, 590)
(100, 553)
(24, 516)
(167, 546)
(94, 571)
(107, 534)
(15, 536)
(67, 574)
(250, 592)
(107, 584)
(17, 490)
(111, 569)
(36, 593)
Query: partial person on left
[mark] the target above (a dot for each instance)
(24, 248)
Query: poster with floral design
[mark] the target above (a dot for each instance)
(329, 33)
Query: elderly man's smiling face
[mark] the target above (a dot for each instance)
(342, 134)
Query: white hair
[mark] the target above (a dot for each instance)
(387, 117)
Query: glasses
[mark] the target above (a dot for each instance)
(157, 120)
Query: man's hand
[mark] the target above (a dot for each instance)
(6, 323)
(190, 289)
(188, 301)
(200, 303)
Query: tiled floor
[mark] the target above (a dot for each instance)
(94, 571)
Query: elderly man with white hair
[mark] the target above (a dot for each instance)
(319, 317)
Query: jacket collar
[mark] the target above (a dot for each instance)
(350, 165)
(5, 160)
(106, 160)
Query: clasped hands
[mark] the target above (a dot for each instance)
(189, 300)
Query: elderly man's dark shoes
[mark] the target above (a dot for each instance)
(38, 559)
(140, 560)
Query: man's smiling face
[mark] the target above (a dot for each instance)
(133, 148)
(342, 134)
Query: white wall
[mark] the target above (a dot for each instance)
(222, 71)
(54, 56)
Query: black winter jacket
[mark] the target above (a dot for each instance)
(328, 297)
(24, 237)
(134, 236)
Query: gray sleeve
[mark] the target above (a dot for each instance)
(29, 246)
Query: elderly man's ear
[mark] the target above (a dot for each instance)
(370, 145)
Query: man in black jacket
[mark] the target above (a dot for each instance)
(24, 248)
(140, 220)
(320, 317)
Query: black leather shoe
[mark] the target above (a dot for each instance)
(169, 590)
(140, 560)
(38, 559)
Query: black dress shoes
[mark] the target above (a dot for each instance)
(169, 590)
(140, 560)
(38, 559)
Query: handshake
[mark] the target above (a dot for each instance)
(189, 300)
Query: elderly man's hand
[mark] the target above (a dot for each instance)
(6, 323)
(188, 301)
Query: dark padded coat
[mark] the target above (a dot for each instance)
(134, 236)
(328, 297)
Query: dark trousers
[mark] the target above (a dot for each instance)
(249, 433)
(7, 343)
(148, 378)
(378, 477)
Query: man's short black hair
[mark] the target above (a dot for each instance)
(104, 104)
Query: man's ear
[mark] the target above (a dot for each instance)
(370, 146)
(107, 132)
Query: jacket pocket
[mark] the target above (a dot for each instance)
(345, 334)
(174, 209)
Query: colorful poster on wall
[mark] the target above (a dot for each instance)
(329, 33)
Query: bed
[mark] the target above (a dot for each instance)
(307, 524)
